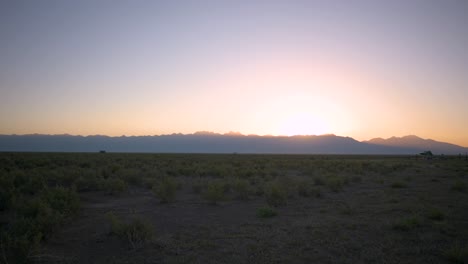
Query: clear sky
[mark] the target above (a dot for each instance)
(362, 69)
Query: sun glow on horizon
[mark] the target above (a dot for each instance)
(303, 124)
(286, 68)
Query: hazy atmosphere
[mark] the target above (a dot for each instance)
(233, 131)
(362, 69)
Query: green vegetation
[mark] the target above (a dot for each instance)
(115, 186)
(33, 220)
(435, 214)
(407, 224)
(335, 183)
(266, 212)
(306, 188)
(241, 188)
(214, 192)
(398, 185)
(275, 194)
(459, 186)
(457, 254)
(41, 193)
(136, 233)
(165, 190)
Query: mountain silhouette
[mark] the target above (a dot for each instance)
(232, 142)
(421, 144)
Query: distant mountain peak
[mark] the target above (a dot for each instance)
(327, 135)
(210, 142)
(233, 133)
(416, 142)
(411, 137)
(394, 138)
(205, 133)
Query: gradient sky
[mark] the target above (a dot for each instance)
(362, 69)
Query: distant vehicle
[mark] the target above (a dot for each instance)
(427, 154)
(102, 151)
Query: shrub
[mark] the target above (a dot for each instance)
(115, 168)
(335, 183)
(131, 177)
(307, 189)
(148, 182)
(266, 212)
(407, 224)
(214, 192)
(459, 186)
(255, 180)
(20, 243)
(165, 190)
(37, 218)
(288, 184)
(275, 194)
(115, 186)
(136, 233)
(436, 214)
(19, 179)
(64, 201)
(62, 177)
(34, 184)
(116, 225)
(89, 183)
(241, 188)
(7, 189)
(42, 218)
(457, 254)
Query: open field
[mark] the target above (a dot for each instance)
(178, 208)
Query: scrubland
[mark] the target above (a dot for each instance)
(201, 208)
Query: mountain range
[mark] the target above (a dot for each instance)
(233, 142)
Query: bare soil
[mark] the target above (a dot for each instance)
(354, 225)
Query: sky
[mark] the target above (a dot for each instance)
(362, 69)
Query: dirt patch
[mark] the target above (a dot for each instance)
(355, 225)
(94, 208)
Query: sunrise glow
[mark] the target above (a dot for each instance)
(270, 68)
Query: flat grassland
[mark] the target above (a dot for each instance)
(200, 208)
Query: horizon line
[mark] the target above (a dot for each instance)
(230, 133)
(203, 132)
(207, 133)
